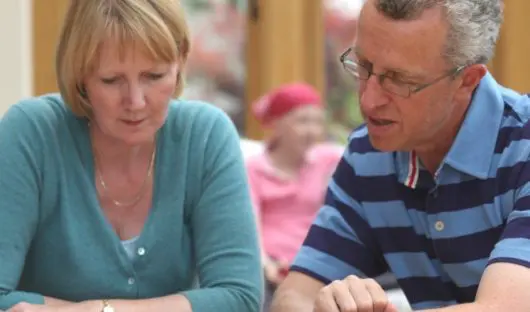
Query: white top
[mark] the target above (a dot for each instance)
(130, 246)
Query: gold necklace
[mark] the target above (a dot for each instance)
(140, 193)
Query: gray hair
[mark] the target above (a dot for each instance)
(474, 25)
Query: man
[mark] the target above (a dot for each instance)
(435, 186)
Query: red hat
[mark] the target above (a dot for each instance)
(285, 99)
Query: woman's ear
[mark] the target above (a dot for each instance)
(82, 91)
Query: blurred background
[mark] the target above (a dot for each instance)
(240, 50)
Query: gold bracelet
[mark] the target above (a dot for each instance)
(107, 307)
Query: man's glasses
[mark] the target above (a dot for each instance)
(388, 83)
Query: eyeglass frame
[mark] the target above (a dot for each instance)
(381, 77)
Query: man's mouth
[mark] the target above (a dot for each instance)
(380, 122)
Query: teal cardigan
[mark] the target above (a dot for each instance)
(55, 241)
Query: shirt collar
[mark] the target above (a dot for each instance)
(472, 150)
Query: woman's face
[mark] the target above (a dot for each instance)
(300, 128)
(130, 94)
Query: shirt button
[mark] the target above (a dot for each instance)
(141, 251)
(131, 281)
(439, 226)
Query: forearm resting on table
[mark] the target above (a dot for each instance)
(49, 301)
(291, 300)
(468, 307)
(167, 303)
(296, 293)
(503, 287)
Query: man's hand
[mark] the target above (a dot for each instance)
(353, 295)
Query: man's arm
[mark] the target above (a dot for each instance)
(297, 293)
(339, 243)
(504, 287)
(506, 280)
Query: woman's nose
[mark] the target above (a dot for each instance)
(136, 97)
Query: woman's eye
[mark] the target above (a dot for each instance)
(109, 80)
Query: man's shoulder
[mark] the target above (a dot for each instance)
(512, 147)
(514, 133)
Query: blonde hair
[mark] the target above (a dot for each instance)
(157, 26)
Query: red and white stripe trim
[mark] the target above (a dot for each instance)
(414, 171)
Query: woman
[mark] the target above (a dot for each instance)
(114, 197)
(288, 181)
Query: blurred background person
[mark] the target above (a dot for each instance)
(289, 178)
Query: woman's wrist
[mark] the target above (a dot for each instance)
(49, 301)
(92, 305)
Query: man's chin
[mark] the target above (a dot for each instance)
(383, 144)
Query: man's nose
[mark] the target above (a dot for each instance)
(372, 94)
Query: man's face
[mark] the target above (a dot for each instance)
(410, 53)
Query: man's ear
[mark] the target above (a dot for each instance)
(469, 80)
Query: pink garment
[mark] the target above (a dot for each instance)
(285, 209)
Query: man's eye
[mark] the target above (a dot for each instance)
(396, 78)
(400, 82)
(155, 76)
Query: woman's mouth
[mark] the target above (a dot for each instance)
(132, 123)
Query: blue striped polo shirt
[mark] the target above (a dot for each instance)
(385, 212)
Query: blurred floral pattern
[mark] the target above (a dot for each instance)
(216, 68)
(340, 20)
